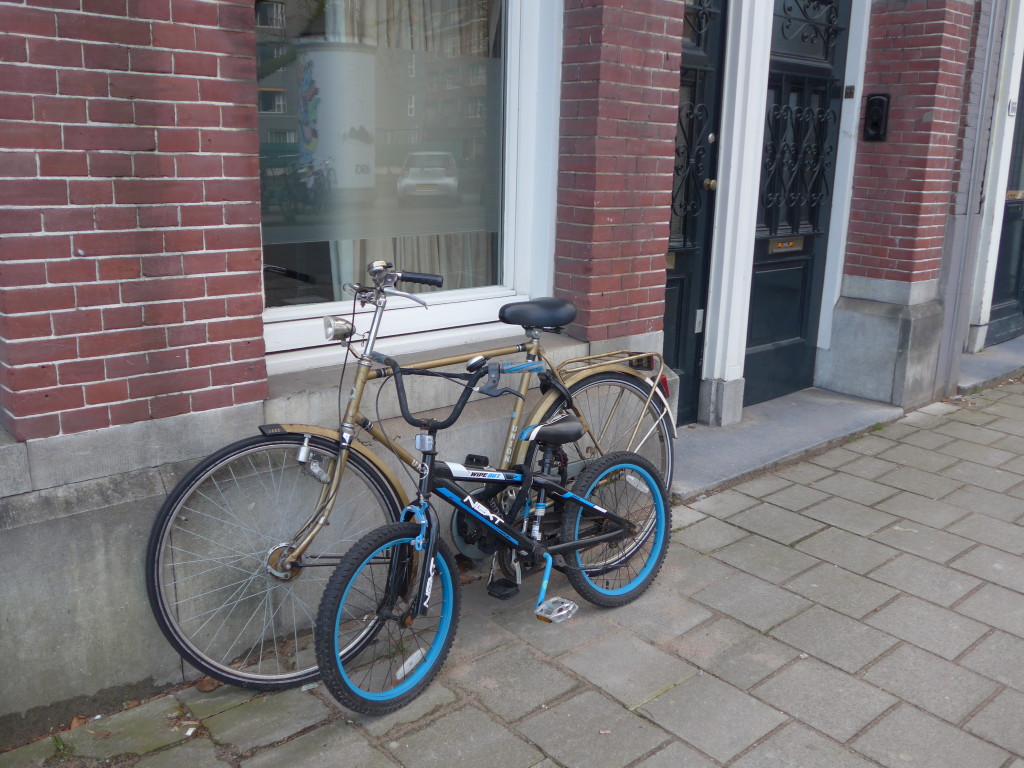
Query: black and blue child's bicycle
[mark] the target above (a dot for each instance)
(389, 612)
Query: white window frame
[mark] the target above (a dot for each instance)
(533, 49)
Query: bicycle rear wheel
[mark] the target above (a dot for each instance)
(614, 573)
(210, 565)
(615, 406)
(373, 658)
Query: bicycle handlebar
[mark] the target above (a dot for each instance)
(471, 380)
(422, 278)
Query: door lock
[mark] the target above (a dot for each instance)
(710, 184)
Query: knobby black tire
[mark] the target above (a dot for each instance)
(370, 661)
(207, 574)
(618, 572)
(612, 404)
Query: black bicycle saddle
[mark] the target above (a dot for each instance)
(546, 312)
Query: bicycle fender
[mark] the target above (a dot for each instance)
(552, 395)
(335, 437)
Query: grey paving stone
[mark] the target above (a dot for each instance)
(797, 747)
(835, 458)
(776, 523)
(1010, 426)
(427, 703)
(869, 467)
(716, 718)
(998, 408)
(589, 731)
(1002, 721)
(937, 514)
(989, 530)
(992, 478)
(676, 755)
(851, 552)
(762, 486)
(993, 565)
(477, 634)
(981, 435)
(978, 418)
(766, 559)
(686, 571)
(925, 439)
(266, 719)
(866, 492)
(336, 744)
(997, 607)
(918, 458)
(752, 601)
(909, 737)
(974, 499)
(684, 516)
(804, 473)
(537, 682)
(795, 497)
(732, 651)
(869, 444)
(942, 688)
(1014, 465)
(708, 535)
(999, 656)
(833, 702)
(724, 504)
(849, 515)
(631, 670)
(896, 431)
(465, 739)
(222, 698)
(196, 753)
(1012, 443)
(922, 420)
(139, 730)
(841, 590)
(33, 755)
(922, 483)
(660, 614)
(982, 454)
(927, 626)
(936, 583)
(940, 408)
(923, 540)
(834, 638)
(588, 624)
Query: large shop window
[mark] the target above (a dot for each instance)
(381, 129)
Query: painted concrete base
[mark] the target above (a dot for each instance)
(884, 352)
(720, 402)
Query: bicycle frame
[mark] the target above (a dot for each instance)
(563, 376)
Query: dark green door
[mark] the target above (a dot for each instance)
(693, 198)
(805, 91)
(1006, 320)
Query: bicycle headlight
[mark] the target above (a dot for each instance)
(337, 328)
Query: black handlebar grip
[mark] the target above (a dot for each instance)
(422, 278)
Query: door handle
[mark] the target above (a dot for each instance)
(710, 184)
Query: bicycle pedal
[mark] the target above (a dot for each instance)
(503, 589)
(555, 610)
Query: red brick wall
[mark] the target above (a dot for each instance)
(903, 187)
(130, 267)
(620, 99)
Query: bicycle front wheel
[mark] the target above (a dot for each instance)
(377, 651)
(616, 572)
(615, 406)
(211, 566)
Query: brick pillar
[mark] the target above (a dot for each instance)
(620, 100)
(130, 264)
(903, 187)
(887, 332)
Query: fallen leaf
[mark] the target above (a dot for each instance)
(79, 720)
(207, 684)
(98, 735)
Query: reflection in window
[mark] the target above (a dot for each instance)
(351, 170)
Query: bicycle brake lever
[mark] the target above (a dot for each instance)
(491, 387)
(404, 295)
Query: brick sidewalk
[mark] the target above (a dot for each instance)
(862, 608)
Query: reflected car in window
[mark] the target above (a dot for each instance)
(429, 175)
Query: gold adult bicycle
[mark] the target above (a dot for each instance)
(242, 547)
